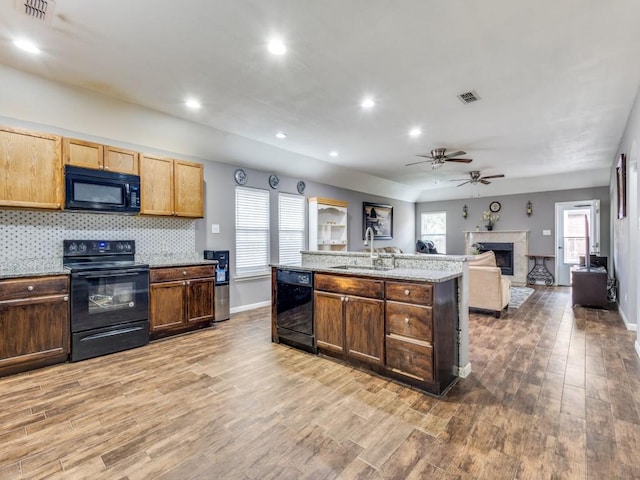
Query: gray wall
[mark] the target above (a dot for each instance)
(513, 217)
(625, 231)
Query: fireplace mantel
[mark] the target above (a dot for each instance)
(520, 240)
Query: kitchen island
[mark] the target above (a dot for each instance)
(400, 317)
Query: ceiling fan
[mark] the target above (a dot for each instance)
(476, 177)
(438, 157)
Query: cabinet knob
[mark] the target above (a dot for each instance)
(407, 291)
(184, 273)
(30, 288)
(188, 282)
(106, 168)
(406, 320)
(66, 298)
(184, 283)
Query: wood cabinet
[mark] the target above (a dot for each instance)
(421, 335)
(349, 316)
(181, 299)
(31, 166)
(327, 224)
(409, 329)
(171, 187)
(405, 330)
(81, 153)
(34, 322)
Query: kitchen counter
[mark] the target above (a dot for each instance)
(413, 274)
(174, 260)
(33, 267)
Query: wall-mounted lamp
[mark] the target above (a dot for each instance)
(529, 209)
(465, 212)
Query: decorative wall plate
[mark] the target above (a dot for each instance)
(301, 186)
(494, 207)
(240, 176)
(274, 181)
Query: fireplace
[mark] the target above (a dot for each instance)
(503, 253)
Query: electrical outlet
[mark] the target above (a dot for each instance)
(215, 228)
(546, 232)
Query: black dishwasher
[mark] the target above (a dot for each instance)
(294, 309)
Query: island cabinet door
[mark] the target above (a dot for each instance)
(364, 321)
(329, 321)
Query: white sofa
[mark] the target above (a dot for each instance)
(488, 289)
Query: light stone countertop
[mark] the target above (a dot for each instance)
(413, 274)
(32, 267)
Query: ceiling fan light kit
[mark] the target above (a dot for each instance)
(439, 156)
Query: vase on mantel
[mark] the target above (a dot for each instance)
(489, 227)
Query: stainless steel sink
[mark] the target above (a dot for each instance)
(362, 267)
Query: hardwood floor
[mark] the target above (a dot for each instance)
(555, 393)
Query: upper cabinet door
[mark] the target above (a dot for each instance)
(83, 154)
(31, 166)
(156, 183)
(189, 189)
(121, 160)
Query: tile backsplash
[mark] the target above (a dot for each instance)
(36, 234)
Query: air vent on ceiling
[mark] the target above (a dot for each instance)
(468, 97)
(38, 9)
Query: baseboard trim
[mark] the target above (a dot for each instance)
(637, 344)
(251, 306)
(464, 372)
(630, 326)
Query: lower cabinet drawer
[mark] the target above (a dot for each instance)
(410, 321)
(409, 358)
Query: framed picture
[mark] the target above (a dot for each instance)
(379, 218)
(621, 184)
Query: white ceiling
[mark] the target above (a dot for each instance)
(556, 79)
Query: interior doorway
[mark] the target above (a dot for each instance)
(577, 229)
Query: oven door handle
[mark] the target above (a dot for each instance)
(93, 275)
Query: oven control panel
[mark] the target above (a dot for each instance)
(75, 248)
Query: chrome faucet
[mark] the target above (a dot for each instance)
(374, 255)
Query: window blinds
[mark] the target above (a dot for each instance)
(291, 209)
(252, 231)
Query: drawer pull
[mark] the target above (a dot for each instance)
(407, 291)
(30, 288)
(184, 272)
(406, 320)
(66, 298)
(188, 282)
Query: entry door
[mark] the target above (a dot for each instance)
(573, 221)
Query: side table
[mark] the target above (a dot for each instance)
(539, 271)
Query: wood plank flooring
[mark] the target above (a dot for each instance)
(555, 393)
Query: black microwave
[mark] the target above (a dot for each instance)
(99, 191)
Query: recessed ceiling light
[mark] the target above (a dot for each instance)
(277, 47)
(281, 135)
(367, 103)
(27, 46)
(193, 104)
(333, 153)
(415, 132)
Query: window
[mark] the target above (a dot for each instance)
(252, 231)
(434, 228)
(291, 224)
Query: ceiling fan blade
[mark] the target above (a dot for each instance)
(486, 182)
(454, 154)
(459, 160)
(458, 179)
(493, 176)
(464, 183)
(416, 163)
(425, 156)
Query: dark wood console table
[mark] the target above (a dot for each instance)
(589, 286)
(539, 271)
